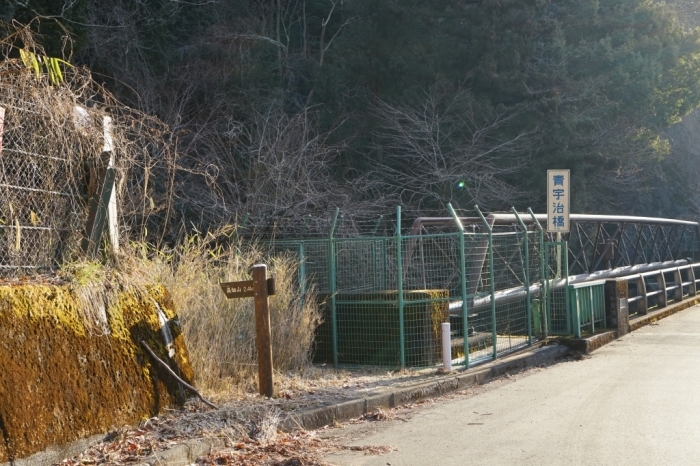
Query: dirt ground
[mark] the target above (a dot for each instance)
(248, 425)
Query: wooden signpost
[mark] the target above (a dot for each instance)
(259, 288)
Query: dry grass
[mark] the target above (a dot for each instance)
(220, 333)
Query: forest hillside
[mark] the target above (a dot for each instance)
(286, 108)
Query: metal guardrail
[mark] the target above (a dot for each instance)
(657, 288)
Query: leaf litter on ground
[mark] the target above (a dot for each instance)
(249, 435)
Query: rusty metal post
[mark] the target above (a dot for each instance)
(263, 340)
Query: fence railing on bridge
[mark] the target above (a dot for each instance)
(502, 286)
(384, 297)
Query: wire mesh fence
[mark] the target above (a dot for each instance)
(384, 298)
(556, 282)
(41, 201)
(63, 139)
(513, 313)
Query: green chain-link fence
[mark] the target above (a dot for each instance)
(384, 298)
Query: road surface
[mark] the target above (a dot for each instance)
(635, 402)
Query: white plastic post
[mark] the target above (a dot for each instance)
(2, 124)
(112, 218)
(446, 347)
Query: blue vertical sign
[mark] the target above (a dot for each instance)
(558, 201)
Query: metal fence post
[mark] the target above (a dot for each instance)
(492, 285)
(663, 296)
(463, 272)
(692, 288)
(377, 275)
(526, 244)
(376, 225)
(543, 287)
(331, 287)
(399, 285)
(385, 263)
(575, 313)
(242, 225)
(302, 273)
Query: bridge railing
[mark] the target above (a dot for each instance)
(660, 287)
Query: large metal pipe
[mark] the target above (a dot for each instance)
(507, 219)
(518, 293)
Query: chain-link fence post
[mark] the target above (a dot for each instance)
(378, 280)
(492, 288)
(543, 288)
(331, 287)
(399, 286)
(463, 283)
(302, 272)
(528, 302)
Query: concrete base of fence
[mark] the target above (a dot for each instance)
(589, 344)
(185, 453)
(616, 305)
(593, 342)
(390, 398)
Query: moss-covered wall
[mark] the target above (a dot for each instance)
(63, 378)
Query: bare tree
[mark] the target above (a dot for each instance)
(449, 150)
(280, 167)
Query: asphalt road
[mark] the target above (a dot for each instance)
(635, 402)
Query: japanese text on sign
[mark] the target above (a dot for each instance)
(239, 289)
(558, 201)
(242, 289)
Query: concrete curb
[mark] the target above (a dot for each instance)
(589, 344)
(186, 453)
(326, 415)
(56, 453)
(182, 454)
(653, 316)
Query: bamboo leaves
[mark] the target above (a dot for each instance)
(42, 64)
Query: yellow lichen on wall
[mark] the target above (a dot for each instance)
(61, 380)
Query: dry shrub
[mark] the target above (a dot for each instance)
(220, 333)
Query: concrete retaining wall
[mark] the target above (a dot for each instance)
(67, 372)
